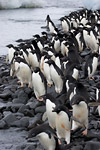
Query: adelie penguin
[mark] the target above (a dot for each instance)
(39, 83)
(46, 136)
(45, 68)
(11, 51)
(51, 26)
(50, 105)
(91, 65)
(56, 75)
(80, 112)
(63, 122)
(21, 69)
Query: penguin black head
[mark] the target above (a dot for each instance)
(36, 36)
(44, 33)
(60, 108)
(50, 62)
(77, 99)
(20, 53)
(15, 53)
(36, 69)
(9, 46)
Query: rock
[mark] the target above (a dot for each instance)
(2, 124)
(14, 106)
(78, 147)
(32, 105)
(92, 145)
(19, 100)
(9, 119)
(22, 108)
(30, 147)
(40, 109)
(23, 122)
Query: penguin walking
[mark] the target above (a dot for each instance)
(91, 65)
(46, 136)
(11, 51)
(21, 69)
(50, 105)
(63, 122)
(39, 83)
(56, 75)
(80, 112)
(65, 24)
(91, 39)
(45, 68)
(51, 26)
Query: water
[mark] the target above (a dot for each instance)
(24, 22)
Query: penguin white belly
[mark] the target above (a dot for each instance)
(51, 28)
(57, 46)
(98, 108)
(33, 61)
(40, 46)
(95, 64)
(63, 126)
(47, 74)
(38, 85)
(11, 54)
(81, 113)
(65, 26)
(63, 48)
(25, 74)
(47, 142)
(56, 79)
(75, 74)
(51, 115)
(94, 67)
(79, 42)
(57, 62)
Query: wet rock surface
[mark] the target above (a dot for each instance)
(19, 110)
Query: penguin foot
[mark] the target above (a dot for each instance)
(91, 78)
(19, 81)
(84, 132)
(59, 142)
(22, 85)
(40, 99)
(49, 85)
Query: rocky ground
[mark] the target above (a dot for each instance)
(19, 109)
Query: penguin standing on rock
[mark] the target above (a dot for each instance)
(46, 136)
(80, 112)
(56, 75)
(63, 122)
(39, 83)
(91, 65)
(21, 69)
(45, 68)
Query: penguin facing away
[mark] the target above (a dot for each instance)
(63, 122)
(39, 83)
(80, 112)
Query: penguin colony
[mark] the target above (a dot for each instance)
(61, 58)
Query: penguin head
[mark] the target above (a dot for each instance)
(60, 108)
(36, 69)
(77, 99)
(10, 46)
(15, 54)
(50, 62)
(36, 36)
